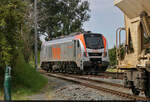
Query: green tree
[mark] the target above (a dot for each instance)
(112, 56)
(27, 32)
(17, 39)
(61, 17)
(11, 18)
(12, 13)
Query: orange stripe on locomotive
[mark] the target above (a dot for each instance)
(104, 41)
(56, 52)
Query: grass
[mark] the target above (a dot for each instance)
(113, 70)
(25, 80)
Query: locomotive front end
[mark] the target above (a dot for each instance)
(95, 59)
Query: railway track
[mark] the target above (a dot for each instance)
(113, 75)
(91, 83)
(93, 80)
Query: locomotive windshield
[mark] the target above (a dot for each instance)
(94, 41)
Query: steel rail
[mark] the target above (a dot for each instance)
(94, 80)
(81, 82)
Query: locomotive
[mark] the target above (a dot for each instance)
(75, 53)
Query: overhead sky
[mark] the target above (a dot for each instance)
(105, 19)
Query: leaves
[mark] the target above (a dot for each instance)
(12, 16)
(5, 56)
(62, 17)
(112, 56)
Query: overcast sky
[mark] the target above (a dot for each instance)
(105, 19)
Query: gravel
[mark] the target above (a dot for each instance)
(78, 92)
(59, 89)
(116, 81)
(111, 80)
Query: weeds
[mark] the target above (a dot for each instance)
(25, 79)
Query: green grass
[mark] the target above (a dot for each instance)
(113, 70)
(25, 80)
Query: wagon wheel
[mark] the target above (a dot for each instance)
(147, 91)
(135, 91)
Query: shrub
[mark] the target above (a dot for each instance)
(25, 76)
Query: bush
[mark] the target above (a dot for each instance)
(24, 76)
(112, 56)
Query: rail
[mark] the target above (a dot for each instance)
(89, 84)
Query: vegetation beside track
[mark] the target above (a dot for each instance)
(113, 70)
(25, 80)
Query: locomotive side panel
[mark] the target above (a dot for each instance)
(60, 52)
(67, 51)
(43, 53)
(56, 52)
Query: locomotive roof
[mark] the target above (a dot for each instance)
(61, 40)
(64, 39)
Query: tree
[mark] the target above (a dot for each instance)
(11, 18)
(112, 56)
(12, 14)
(27, 32)
(61, 17)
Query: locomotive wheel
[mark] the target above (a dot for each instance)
(60, 70)
(84, 73)
(135, 91)
(147, 91)
(50, 70)
(79, 72)
(89, 73)
(75, 72)
(63, 71)
(103, 69)
(95, 73)
(47, 70)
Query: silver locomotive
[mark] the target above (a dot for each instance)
(79, 52)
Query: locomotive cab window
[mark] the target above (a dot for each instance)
(94, 41)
